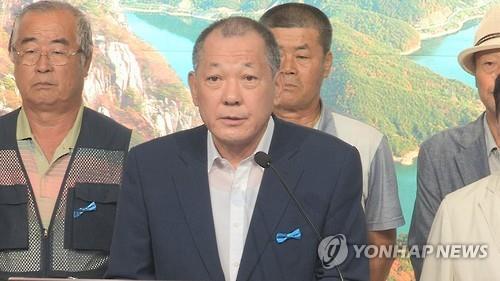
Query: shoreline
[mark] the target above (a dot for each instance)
(412, 50)
(429, 36)
(448, 22)
(432, 35)
(407, 159)
(210, 16)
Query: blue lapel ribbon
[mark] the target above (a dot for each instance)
(282, 237)
(90, 208)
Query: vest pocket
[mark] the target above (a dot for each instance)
(90, 216)
(13, 217)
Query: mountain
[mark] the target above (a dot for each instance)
(411, 11)
(128, 80)
(430, 18)
(395, 33)
(371, 80)
(406, 101)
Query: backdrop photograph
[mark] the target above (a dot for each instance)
(394, 67)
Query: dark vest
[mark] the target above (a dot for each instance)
(74, 245)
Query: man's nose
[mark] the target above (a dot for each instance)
(232, 93)
(288, 65)
(43, 64)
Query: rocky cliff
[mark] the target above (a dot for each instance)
(127, 81)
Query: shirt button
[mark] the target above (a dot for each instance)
(236, 264)
(236, 224)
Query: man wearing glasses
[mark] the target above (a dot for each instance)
(60, 163)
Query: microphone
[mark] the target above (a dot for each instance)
(496, 96)
(264, 160)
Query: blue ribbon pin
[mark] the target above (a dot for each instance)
(282, 237)
(90, 208)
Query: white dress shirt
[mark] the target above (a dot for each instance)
(233, 193)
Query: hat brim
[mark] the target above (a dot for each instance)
(466, 57)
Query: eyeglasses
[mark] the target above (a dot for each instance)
(56, 57)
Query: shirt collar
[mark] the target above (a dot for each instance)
(264, 144)
(326, 122)
(490, 141)
(321, 120)
(23, 130)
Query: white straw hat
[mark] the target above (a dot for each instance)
(487, 38)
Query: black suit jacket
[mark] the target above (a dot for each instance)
(165, 228)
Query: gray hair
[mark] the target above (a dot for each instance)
(239, 26)
(83, 32)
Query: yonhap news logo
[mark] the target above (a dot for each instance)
(333, 251)
(440, 251)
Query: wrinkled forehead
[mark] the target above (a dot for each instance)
(47, 27)
(246, 50)
(297, 37)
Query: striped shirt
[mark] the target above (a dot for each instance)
(45, 176)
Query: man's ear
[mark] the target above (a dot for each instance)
(88, 62)
(192, 87)
(327, 64)
(12, 57)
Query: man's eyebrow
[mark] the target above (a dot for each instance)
(249, 64)
(63, 41)
(302, 47)
(28, 40)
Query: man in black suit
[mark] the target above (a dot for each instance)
(196, 206)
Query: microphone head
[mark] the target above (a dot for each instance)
(262, 159)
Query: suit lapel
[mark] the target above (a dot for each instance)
(272, 200)
(191, 183)
(472, 164)
(471, 161)
(490, 208)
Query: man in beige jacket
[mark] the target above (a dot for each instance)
(465, 232)
(468, 217)
(460, 156)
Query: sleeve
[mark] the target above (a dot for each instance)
(383, 209)
(427, 202)
(435, 268)
(131, 253)
(345, 216)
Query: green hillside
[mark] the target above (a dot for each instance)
(408, 10)
(404, 100)
(202, 5)
(371, 81)
(393, 32)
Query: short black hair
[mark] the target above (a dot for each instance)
(239, 26)
(300, 15)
